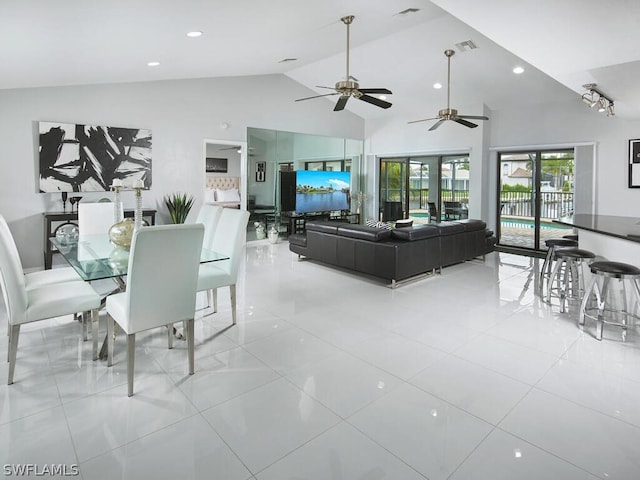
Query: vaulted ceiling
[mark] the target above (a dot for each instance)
(560, 44)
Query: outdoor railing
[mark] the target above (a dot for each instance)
(518, 204)
(521, 204)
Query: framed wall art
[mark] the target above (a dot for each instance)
(217, 165)
(634, 163)
(261, 168)
(87, 158)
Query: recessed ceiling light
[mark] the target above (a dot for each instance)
(437, 85)
(195, 33)
(153, 64)
(382, 97)
(518, 70)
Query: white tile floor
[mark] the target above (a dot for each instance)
(464, 375)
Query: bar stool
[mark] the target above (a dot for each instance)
(606, 271)
(545, 271)
(567, 274)
(571, 237)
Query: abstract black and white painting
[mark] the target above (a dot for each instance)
(87, 158)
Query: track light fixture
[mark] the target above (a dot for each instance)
(593, 96)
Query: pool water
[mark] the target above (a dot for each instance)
(530, 224)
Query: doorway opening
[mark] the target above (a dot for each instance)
(534, 188)
(424, 188)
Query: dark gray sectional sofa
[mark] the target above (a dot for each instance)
(394, 255)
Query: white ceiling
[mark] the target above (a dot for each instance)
(45, 43)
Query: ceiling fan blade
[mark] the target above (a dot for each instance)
(375, 90)
(317, 96)
(437, 124)
(374, 101)
(424, 120)
(476, 117)
(342, 101)
(464, 122)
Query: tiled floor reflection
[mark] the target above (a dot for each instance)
(329, 375)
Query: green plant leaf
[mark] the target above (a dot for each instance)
(179, 206)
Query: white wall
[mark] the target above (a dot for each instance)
(568, 123)
(180, 114)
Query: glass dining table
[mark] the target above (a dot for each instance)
(94, 257)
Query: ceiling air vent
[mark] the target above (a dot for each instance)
(466, 46)
(408, 11)
(287, 60)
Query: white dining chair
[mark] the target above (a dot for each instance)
(229, 239)
(39, 302)
(161, 287)
(39, 278)
(209, 215)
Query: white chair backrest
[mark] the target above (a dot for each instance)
(163, 274)
(11, 275)
(209, 216)
(230, 238)
(95, 218)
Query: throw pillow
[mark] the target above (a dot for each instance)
(376, 224)
(229, 195)
(404, 223)
(210, 195)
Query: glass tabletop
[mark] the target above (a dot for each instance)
(94, 257)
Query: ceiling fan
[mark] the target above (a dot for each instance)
(350, 87)
(451, 113)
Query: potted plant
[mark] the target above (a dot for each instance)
(179, 206)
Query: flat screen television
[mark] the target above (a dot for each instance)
(320, 191)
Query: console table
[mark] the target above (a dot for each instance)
(296, 222)
(55, 220)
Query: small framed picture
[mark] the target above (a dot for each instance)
(216, 165)
(634, 163)
(261, 168)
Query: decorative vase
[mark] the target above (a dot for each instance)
(261, 231)
(274, 235)
(119, 258)
(121, 233)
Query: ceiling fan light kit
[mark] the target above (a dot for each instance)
(594, 96)
(349, 87)
(451, 113)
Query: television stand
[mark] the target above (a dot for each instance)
(297, 221)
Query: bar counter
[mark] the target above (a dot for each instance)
(608, 236)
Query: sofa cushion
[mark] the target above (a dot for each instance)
(324, 227)
(298, 239)
(416, 232)
(364, 232)
(449, 228)
(471, 224)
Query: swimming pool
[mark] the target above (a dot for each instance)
(518, 223)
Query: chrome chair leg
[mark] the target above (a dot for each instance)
(191, 344)
(131, 350)
(585, 300)
(94, 332)
(232, 291)
(601, 308)
(14, 334)
(110, 339)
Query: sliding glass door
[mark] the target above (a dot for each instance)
(535, 187)
(393, 188)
